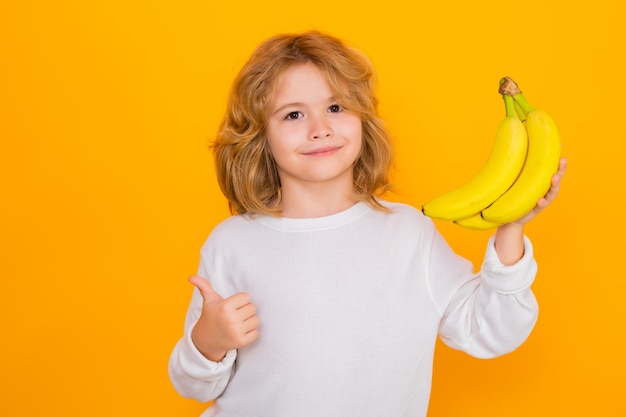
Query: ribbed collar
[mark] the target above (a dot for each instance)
(316, 223)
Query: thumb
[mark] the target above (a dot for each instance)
(208, 293)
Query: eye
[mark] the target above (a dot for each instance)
(293, 115)
(335, 108)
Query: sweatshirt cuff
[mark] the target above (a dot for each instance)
(509, 279)
(198, 366)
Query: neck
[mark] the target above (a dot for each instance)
(316, 201)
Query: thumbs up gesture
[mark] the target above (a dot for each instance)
(225, 323)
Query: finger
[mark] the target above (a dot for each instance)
(542, 203)
(554, 188)
(562, 166)
(247, 311)
(251, 324)
(555, 183)
(551, 194)
(250, 337)
(556, 178)
(206, 290)
(245, 335)
(239, 300)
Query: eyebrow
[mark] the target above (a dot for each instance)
(286, 105)
(298, 104)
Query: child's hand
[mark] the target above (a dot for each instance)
(224, 324)
(549, 197)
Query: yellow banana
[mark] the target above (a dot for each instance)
(476, 222)
(542, 161)
(496, 176)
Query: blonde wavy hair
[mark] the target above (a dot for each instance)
(245, 168)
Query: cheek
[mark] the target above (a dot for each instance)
(276, 140)
(355, 126)
(357, 134)
(280, 149)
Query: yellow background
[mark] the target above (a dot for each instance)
(108, 188)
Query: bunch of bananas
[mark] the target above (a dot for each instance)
(519, 171)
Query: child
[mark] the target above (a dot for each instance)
(318, 298)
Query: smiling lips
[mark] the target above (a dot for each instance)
(329, 150)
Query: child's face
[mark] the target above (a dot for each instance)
(311, 137)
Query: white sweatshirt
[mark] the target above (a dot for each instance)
(350, 307)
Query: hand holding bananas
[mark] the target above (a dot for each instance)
(521, 177)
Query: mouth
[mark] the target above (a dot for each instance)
(326, 151)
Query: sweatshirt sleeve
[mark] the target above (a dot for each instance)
(485, 314)
(193, 375)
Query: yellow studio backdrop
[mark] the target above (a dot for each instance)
(107, 186)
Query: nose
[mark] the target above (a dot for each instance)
(321, 130)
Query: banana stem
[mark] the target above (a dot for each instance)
(509, 105)
(508, 87)
(523, 103)
(520, 112)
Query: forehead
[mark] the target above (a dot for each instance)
(299, 75)
(301, 82)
